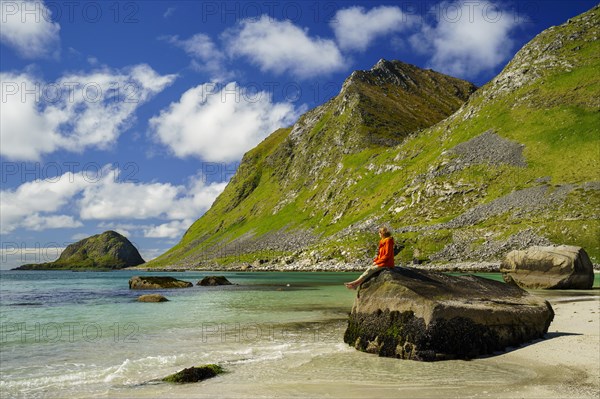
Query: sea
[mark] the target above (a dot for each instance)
(277, 334)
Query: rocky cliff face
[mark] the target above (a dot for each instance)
(109, 250)
(515, 165)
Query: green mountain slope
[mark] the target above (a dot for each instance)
(516, 165)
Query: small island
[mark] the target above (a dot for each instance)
(107, 251)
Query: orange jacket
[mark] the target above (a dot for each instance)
(385, 253)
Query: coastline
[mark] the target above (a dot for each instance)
(298, 353)
(335, 266)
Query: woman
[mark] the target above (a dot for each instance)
(385, 258)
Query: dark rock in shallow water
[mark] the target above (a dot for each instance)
(194, 374)
(413, 314)
(152, 298)
(214, 280)
(155, 283)
(552, 267)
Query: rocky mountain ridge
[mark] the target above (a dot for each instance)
(458, 177)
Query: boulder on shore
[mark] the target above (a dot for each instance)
(152, 298)
(552, 267)
(213, 280)
(194, 374)
(413, 314)
(156, 283)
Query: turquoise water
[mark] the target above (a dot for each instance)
(67, 334)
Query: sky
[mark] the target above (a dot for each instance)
(133, 115)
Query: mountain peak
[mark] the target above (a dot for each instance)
(109, 250)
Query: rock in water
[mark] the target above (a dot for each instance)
(194, 374)
(155, 283)
(152, 298)
(109, 250)
(214, 280)
(552, 267)
(414, 314)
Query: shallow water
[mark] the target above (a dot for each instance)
(66, 334)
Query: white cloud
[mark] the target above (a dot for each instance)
(280, 46)
(206, 57)
(468, 38)
(112, 199)
(150, 253)
(169, 12)
(355, 29)
(220, 123)
(37, 222)
(173, 229)
(73, 113)
(79, 236)
(27, 27)
(32, 202)
(41, 204)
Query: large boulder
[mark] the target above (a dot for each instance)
(213, 280)
(156, 283)
(552, 267)
(419, 315)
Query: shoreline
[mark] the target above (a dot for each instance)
(471, 267)
(565, 363)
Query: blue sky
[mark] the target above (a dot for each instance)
(133, 115)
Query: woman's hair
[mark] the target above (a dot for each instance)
(384, 231)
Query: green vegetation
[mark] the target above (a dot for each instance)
(107, 251)
(379, 153)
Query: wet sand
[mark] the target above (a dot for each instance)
(567, 363)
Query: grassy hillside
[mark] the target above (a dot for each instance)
(109, 250)
(517, 165)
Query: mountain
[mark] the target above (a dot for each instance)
(457, 174)
(109, 250)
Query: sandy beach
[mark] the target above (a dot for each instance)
(567, 363)
(283, 341)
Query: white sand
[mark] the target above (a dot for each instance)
(567, 363)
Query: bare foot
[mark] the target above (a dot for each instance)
(351, 286)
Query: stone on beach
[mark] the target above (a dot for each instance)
(551, 267)
(194, 374)
(156, 283)
(152, 298)
(213, 280)
(419, 315)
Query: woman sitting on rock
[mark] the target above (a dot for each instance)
(385, 258)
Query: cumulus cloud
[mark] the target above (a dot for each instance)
(220, 123)
(206, 57)
(172, 229)
(73, 113)
(36, 203)
(27, 27)
(114, 199)
(467, 38)
(355, 28)
(280, 46)
(41, 204)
